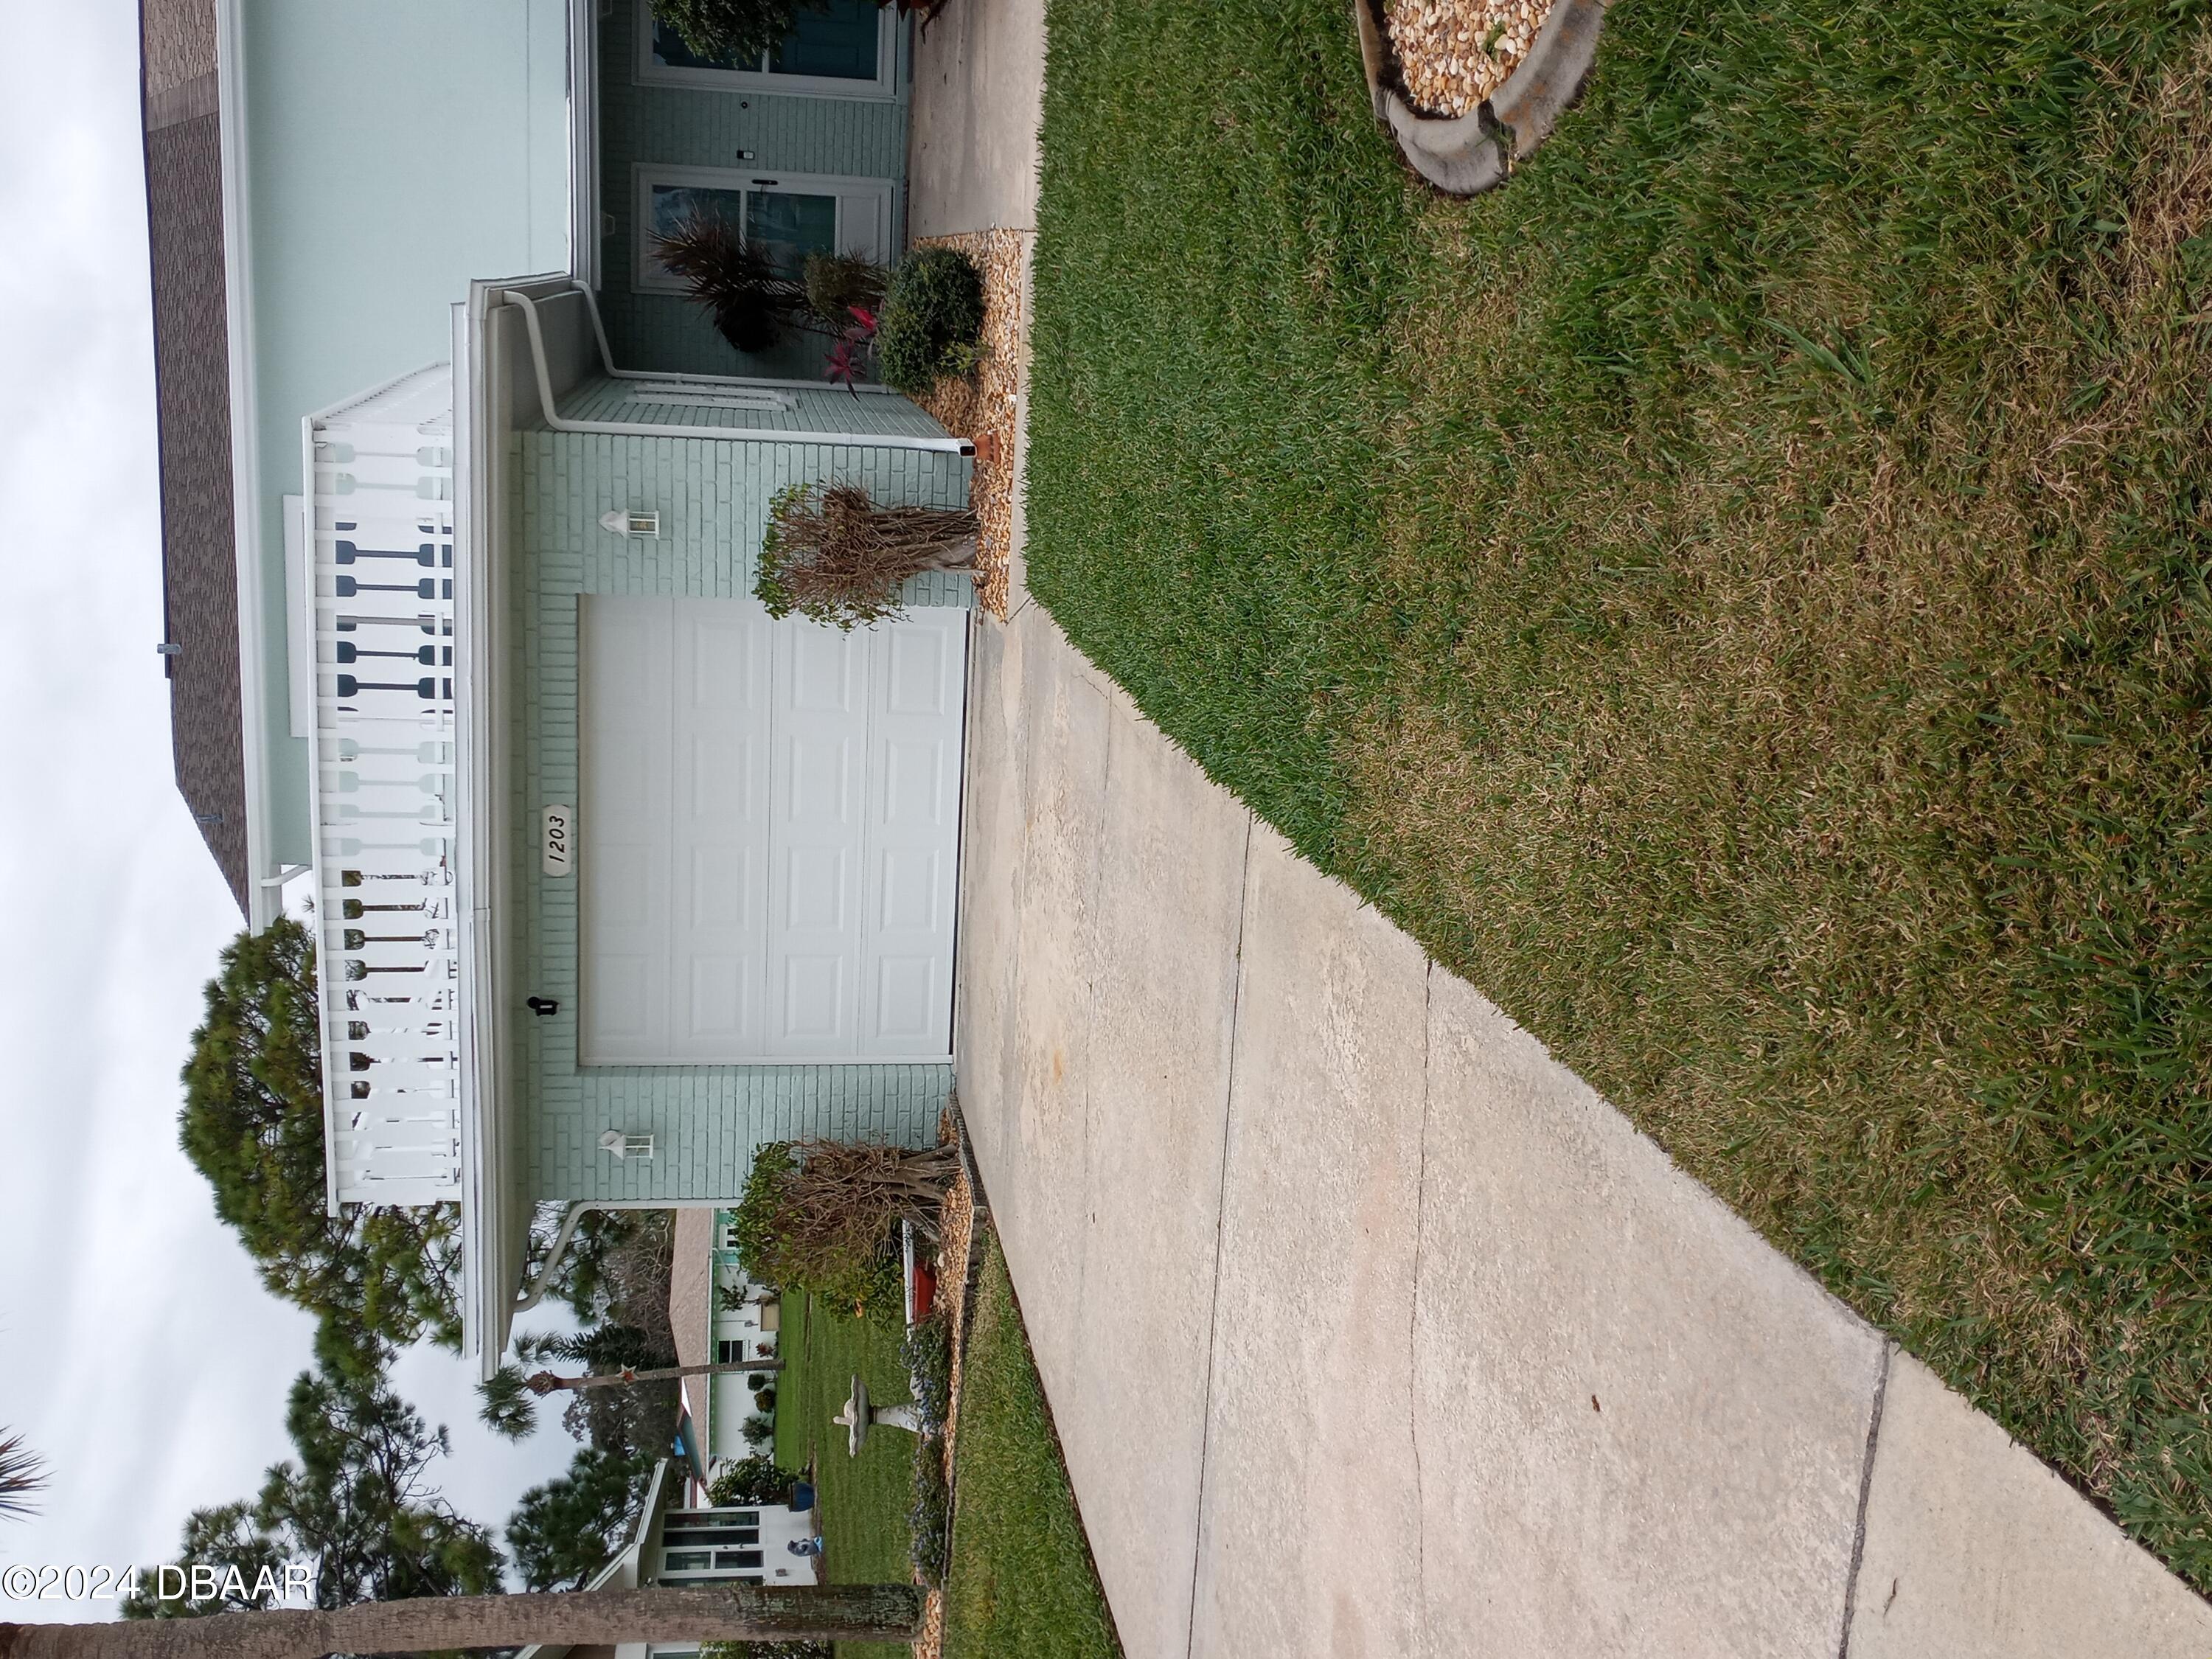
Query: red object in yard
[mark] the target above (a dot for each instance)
(987, 447)
(925, 1291)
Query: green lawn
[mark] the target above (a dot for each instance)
(1737, 595)
(864, 1500)
(1021, 1584)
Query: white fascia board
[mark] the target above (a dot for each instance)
(264, 900)
(486, 1299)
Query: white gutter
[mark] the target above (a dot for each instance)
(607, 361)
(727, 433)
(263, 901)
(583, 142)
(483, 1219)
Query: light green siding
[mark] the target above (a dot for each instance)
(695, 126)
(713, 497)
(392, 153)
(825, 408)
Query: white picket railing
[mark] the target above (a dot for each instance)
(388, 957)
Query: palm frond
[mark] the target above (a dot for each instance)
(22, 1475)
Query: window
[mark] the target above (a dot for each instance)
(786, 215)
(732, 1352)
(844, 48)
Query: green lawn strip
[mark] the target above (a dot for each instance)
(1738, 594)
(864, 1500)
(1021, 1584)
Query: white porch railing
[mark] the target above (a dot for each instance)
(382, 551)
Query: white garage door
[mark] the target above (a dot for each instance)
(767, 834)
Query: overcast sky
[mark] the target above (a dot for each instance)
(141, 1356)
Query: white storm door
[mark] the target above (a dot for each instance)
(916, 695)
(675, 762)
(820, 719)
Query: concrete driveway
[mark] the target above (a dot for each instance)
(1369, 1329)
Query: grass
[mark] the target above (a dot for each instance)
(1022, 1585)
(864, 1500)
(1738, 595)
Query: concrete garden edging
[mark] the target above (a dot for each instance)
(1464, 154)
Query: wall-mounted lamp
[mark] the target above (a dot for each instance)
(631, 523)
(625, 1147)
(544, 1007)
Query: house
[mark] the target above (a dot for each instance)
(720, 1316)
(698, 1545)
(614, 875)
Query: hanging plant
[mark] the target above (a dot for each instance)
(833, 555)
(752, 306)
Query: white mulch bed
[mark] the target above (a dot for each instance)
(1457, 53)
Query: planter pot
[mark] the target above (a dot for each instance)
(1463, 155)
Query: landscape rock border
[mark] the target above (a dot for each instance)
(1465, 155)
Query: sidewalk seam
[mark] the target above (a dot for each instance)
(1413, 1316)
(1866, 1490)
(1220, 1220)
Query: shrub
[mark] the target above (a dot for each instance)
(932, 320)
(765, 1400)
(756, 1381)
(929, 1520)
(758, 1480)
(817, 1216)
(760, 1429)
(837, 283)
(835, 557)
(750, 305)
(928, 1356)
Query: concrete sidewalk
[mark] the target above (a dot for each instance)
(1370, 1329)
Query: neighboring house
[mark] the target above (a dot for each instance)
(698, 1546)
(615, 876)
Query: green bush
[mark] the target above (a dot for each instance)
(759, 1479)
(929, 1520)
(928, 1356)
(855, 1269)
(932, 320)
(760, 1429)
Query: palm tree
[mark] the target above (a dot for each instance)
(734, 1613)
(23, 1473)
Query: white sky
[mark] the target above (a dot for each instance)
(140, 1355)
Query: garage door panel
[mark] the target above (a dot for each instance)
(814, 1004)
(767, 834)
(915, 680)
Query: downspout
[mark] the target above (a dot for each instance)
(534, 1292)
(724, 433)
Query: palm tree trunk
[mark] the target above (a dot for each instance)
(544, 1383)
(734, 1613)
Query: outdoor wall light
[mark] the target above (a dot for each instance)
(631, 523)
(626, 1146)
(544, 1007)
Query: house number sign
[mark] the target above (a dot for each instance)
(560, 840)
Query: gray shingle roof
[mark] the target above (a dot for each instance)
(191, 364)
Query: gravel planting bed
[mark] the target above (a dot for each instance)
(1455, 53)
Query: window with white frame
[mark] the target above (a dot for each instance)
(785, 215)
(838, 49)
